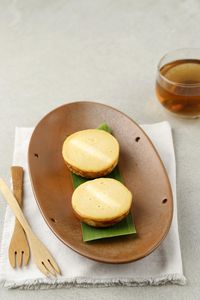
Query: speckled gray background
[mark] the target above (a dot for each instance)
(54, 52)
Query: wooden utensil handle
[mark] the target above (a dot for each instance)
(11, 200)
(17, 180)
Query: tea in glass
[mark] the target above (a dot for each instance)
(178, 82)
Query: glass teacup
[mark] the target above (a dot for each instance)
(178, 82)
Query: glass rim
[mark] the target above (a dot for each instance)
(188, 85)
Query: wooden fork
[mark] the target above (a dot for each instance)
(41, 256)
(18, 252)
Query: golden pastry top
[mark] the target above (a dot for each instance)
(91, 150)
(101, 199)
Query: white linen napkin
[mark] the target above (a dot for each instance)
(162, 266)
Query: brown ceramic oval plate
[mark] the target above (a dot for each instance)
(140, 165)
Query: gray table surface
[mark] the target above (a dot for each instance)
(55, 52)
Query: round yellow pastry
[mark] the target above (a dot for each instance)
(91, 153)
(101, 202)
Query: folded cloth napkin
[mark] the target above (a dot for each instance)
(162, 266)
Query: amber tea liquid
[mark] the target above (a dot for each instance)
(178, 87)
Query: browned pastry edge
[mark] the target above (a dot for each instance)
(101, 223)
(91, 174)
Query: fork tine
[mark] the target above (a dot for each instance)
(12, 258)
(25, 257)
(42, 268)
(54, 265)
(49, 267)
(19, 259)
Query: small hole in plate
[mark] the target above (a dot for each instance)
(36, 155)
(137, 139)
(53, 220)
(164, 201)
